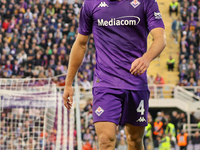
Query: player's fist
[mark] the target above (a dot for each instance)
(139, 66)
(68, 97)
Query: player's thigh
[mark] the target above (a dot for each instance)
(106, 131)
(134, 133)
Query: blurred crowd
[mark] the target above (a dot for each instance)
(156, 86)
(188, 26)
(165, 131)
(23, 129)
(36, 38)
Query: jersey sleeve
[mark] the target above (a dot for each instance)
(153, 15)
(85, 21)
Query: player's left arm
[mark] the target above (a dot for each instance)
(156, 27)
(140, 65)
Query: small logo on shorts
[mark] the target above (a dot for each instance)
(97, 81)
(99, 111)
(141, 119)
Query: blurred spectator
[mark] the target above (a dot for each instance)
(196, 140)
(45, 62)
(49, 72)
(41, 75)
(5, 24)
(38, 61)
(170, 63)
(170, 129)
(198, 92)
(29, 73)
(8, 65)
(88, 105)
(158, 128)
(3, 60)
(95, 144)
(182, 139)
(182, 120)
(7, 73)
(183, 66)
(87, 145)
(173, 7)
(122, 144)
(164, 142)
(193, 8)
(192, 75)
(151, 79)
(21, 72)
(172, 142)
(52, 64)
(176, 27)
(65, 70)
(192, 118)
(148, 133)
(156, 142)
(198, 125)
(50, 10)
(87, 135)
(159, 81)
(182, 75)
(192, 82)
(86, 85)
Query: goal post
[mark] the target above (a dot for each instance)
(32, 116)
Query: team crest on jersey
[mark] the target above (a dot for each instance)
(135, 3)
(99, 111)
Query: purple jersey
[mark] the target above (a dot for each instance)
(120, 30)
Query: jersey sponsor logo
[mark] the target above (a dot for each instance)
(99, 111)
(120, 21)
(157, 15)
(141, 119)
(103, 4)
(135, 3)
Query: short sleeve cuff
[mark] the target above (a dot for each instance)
(156, 26)
(83, 32)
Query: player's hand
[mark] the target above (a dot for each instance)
(139, 66)
(68, 97)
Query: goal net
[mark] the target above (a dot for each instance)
(33, 117)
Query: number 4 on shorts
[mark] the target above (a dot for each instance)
(141, 107)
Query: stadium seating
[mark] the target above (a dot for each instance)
(159, 65)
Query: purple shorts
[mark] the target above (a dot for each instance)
(120, 106)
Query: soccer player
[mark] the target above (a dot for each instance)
(120, 29)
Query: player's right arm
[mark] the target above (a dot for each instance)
(78, 50)
(76, 58)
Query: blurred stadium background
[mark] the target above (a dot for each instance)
(35, 42)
